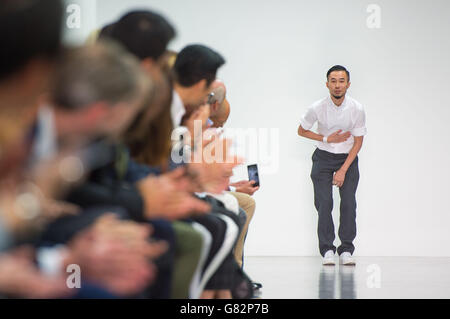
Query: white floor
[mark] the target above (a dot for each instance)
(372, 277)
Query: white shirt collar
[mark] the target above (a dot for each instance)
(177, 109)
(45, 144)
(342, 106)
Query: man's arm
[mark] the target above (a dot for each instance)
(353, 152)
(309, 134)
(244, 187)
(336, 137)
(339, 177)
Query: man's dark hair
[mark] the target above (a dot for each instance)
(195, 63)
(143, 33)
(338, 68)
(28, 29)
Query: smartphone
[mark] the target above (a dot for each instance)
(253, 174)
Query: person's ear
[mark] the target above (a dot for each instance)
(348, 85)
(327, 85)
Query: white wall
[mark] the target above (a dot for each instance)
(277, 55)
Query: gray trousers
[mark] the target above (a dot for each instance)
(325, 164)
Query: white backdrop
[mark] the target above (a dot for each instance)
(277, 56)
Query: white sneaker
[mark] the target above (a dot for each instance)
(346, 259)
(328, 258)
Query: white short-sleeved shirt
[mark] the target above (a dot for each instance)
(348, 117)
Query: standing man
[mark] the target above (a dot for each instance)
(341, 129)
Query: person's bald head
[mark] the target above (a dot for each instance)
(219, 87)
(219, 90)
(220, 118)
